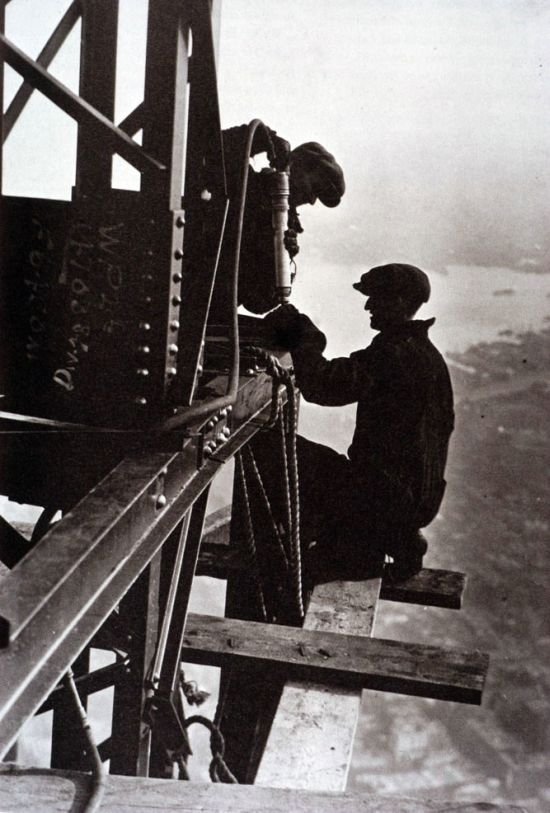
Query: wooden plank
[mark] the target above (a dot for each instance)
(216, 527)
(41, 791)
(432, 588)
(332, 657)
(311, 739)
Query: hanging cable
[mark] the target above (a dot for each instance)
(99, 778)
(206, 408)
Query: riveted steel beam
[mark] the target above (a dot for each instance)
(57, 597)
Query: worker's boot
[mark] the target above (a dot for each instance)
(408, 561)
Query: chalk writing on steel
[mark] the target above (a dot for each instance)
(93, 272)
(37, 287)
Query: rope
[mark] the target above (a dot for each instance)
(283, 376)
(294, 493)
(219, 772)
(279, 547)
(249, 536)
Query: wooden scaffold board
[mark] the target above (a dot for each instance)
(43, 791)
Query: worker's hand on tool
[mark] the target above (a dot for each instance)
(290, 329)
(281, 153)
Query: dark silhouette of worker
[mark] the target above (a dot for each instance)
(314, 175)
(356, 509)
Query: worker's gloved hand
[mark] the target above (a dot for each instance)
(286, 327)
(281, 153)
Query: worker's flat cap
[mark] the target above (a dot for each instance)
(398, 278)
(329, 172)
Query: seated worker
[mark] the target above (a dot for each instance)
(314, 174)
(357, 509)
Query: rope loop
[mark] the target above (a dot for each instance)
(219, 772)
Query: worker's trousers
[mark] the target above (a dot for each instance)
(338, 537)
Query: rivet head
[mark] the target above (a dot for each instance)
(145, 326)
(229, 408)
(206, 195)
(140, 401)
(226, 431)
(147, 300)
(178, 254)
(177, 277)
(211, 424)
(199, 369)
(143, 372)
(171, 371)
(223, 413)
(144, 349)
(161, 501)
(176, 301)
(174, 325)
(173, 349)
(180, 221)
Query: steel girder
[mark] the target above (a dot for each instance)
(57, 597)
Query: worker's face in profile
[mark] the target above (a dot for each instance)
(304, 185)
(386, 310)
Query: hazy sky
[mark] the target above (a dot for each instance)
(438, 111)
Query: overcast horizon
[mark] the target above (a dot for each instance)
(438, 111)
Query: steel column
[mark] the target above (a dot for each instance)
(205, 198)
(98, 50)
(164, 106)
(130, 742)
(245, 719)
(168, 661)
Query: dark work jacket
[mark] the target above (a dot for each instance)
(404, 419)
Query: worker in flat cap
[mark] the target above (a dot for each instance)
(314, 175)
(365, 511)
